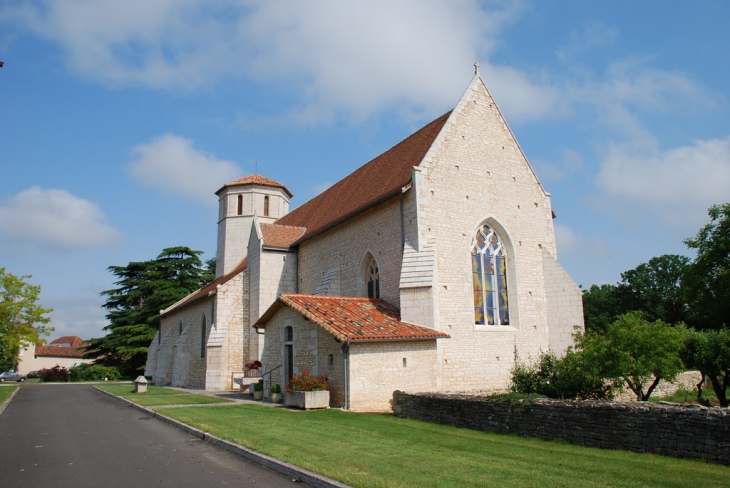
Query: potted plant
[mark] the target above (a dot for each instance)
(307, 392)
(275, 393)
(258, 390)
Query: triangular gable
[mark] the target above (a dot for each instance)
(477, 83)
(352, 319)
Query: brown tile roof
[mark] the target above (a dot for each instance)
(73, 341)
(203, 292)
(58, 348)
(376, 181)
(256, 180)
(352, 319)
(280, 235)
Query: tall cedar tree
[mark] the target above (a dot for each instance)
(22, 319)
(145, 288)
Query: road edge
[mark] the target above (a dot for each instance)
(6, 402)
(308, 477)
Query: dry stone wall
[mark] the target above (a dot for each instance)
(693, 432)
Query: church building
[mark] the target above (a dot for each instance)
(427, 269)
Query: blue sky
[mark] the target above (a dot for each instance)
(120, 119)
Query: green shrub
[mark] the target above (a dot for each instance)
(56, 373)
(258, 386)
(275, 388)
(568, 378)
(94, 372)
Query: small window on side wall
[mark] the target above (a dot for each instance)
(203, 326)
(266, 206)
(373, 280)
(288, 333)
(240, 205)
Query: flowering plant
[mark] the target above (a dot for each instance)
(307, 382)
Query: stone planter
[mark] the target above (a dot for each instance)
(308, 399)
(258, 395)
(276, 398)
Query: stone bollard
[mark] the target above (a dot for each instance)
(140, 384)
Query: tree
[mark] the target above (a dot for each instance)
(656, 288)
(635, 351)
(22, 319)
(709, 275)
(602, 304)
(145, 288)
(709, 352)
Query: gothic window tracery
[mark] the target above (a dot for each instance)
(489, 274)
(373, 280)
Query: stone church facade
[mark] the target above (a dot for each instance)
(426, 269)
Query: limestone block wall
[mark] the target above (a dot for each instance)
(476, 173)
(379, 368)
(181, 358)
(277, 275)
(191, 318)
(231, 315)
(565, 304)
(693, 432)
(311, 348)
(376, 231)
(163, 371)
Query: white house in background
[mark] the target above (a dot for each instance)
(66, 351)
(425, 269)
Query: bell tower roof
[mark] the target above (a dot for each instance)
(255, 180)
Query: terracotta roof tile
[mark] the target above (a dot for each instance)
(256, 180)
(203, 292)
(353, 318)
(376, 181)
(280, 235)
(73, 341)
(58, 349)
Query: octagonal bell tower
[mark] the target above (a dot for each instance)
(238, 202)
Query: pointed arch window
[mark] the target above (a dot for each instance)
(373, 280)
(489, 274)
(203, 326)
(179, 328)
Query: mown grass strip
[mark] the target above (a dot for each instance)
(6, 391)
(153, 401)
(128, 390)
(385, 451)
(156, 396)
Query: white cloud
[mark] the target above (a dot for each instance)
(572, 243)
(76, 315)
(676, 186)
(170, 162)
(317, 189)
(54, 218)
(342, 58)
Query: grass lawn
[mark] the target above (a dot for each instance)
(6, 391)
(128, 390)
(684, 396)
(381, 450)
(157, 396)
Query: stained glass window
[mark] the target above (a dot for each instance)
(489, 275)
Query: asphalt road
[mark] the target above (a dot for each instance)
(71, 435)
